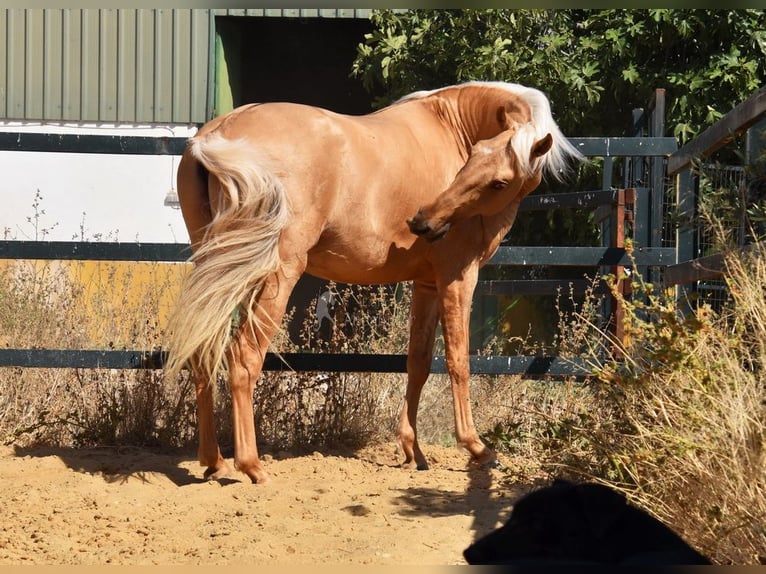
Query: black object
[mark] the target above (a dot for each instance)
(568, 523)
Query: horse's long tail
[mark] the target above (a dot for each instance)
(239, 250)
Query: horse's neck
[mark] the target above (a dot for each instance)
(495, 228)
(473, 110)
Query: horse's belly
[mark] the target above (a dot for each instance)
(365, 266)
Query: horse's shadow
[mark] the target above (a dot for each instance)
(120, 464)
(477, 501)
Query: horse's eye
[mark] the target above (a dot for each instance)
(498, 184)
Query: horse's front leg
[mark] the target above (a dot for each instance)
(455, 296)
(423, 319)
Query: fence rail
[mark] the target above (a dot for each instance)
(92, 143)
(173, 145)
(180, 252)
(736, 122)
(644, 210)
(610, 255)
(94, 251)
(688, 270)
(530, 366)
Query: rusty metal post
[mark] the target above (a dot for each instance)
(622, 214)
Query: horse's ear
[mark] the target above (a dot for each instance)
(507, 120)
(503, 119)
(541, 147)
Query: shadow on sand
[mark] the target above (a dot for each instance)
(119, 464)
(478, 501)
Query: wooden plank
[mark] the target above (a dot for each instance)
(508, 255)
(573, 200)
(71, 358)
(79, 144)
(94, 251)
(625, 146)
(623, 206)
(72, 143)
(536, 287)
(700, 269)
(581, 256)
(303, 362)
(736, 122)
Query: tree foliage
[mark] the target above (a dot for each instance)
(595, 65)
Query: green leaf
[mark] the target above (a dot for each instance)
(630, 74)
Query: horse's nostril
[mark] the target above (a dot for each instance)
(417, 225)
(418, 228)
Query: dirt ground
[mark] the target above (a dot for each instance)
(139, 507)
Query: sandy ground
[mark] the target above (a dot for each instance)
(138, 507)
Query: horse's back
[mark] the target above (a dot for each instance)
(300, 123)
(318, 151)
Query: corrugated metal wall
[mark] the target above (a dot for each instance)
(104, 65)
(298, 12)
(115, 65)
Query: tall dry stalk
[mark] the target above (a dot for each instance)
(681, 426)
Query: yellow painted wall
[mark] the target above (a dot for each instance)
(98, 304)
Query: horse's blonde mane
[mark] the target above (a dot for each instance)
(556, 162)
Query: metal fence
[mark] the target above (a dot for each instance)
(695, 266)
(615, 207)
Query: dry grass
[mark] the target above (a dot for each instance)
(82, 305)
(678, 425)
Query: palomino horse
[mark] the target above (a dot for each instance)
(270, 191)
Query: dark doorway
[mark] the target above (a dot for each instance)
(304, 60)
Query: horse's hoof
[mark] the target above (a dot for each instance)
(255, 472)
(261, 478)
(491, 464)
(484, 463)
(212, 474)
(413, 465)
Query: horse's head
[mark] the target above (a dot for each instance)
(494, 176)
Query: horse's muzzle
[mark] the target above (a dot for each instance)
(419, 226)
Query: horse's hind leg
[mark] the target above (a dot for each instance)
(209, 453)
(245, 357)
(423, 320)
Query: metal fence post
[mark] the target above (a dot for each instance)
(686, 202)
